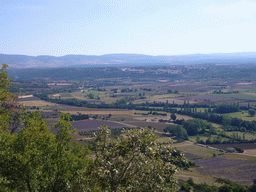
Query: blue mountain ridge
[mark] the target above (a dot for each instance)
(46, 61)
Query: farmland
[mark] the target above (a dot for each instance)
(102, 112)
(90, 125)
(148, 97)
(237, 170)
(37, 103)
(243, 115)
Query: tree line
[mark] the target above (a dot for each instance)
(210, 113)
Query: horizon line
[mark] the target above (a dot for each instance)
(127, 54)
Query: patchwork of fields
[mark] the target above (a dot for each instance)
(212, 162)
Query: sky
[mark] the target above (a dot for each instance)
(151, 27)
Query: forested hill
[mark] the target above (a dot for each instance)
(23, 61)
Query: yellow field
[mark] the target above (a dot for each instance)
(182, 117)
(37, 103)
(123, 112)
(25, 96)
(244, 83)
(56, 95)
(250, 152)
(63, 84)
(251, 94)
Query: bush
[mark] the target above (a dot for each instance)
(185, 187)
(238, 149)
(191, 181)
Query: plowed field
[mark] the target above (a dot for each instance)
(237, 170)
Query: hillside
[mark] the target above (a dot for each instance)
(44, 61)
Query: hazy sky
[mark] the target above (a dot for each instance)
(153, 27)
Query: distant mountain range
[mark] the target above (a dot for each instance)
(125, 60)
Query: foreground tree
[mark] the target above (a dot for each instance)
(34, 159)
(133, 162)
(10, 111)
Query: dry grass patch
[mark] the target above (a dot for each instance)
(164, 139)
(250, 152)
(163, 81)
(56, 95)
(60, 84)
(25, 96)
(244, 83)
(218, 126)
(81, 137)
(251, 94)
(183, 117)
(196, 176)
(38, 103)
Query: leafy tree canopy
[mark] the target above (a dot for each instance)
(251, 112)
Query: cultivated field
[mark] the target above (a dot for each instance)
(158, 126)
(247, 136)
(37, 103)
(205, 85)
(102, 112)
(25, 96)
(236, 170)
(251, 152)
(91, 125)
(241, 145)
(243, 115)
(189, 147)
(197, 177)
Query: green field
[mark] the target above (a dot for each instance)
(165, 140)
(237, 96)
(243, 115)
(195, 149)
(247, 136)
(197, 177)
